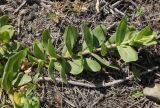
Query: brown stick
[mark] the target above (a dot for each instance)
(23, 3)
(112, 83)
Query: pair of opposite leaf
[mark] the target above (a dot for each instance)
(127, 38)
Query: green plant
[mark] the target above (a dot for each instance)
(6, 33)
(136, 94)
(126, 39)
(11, 78)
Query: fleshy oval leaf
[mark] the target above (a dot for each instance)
(76, 66)
(88, 38)
(70, 37)
(127, 53)
(51, 70)
(45, 37)
(37, 50)
(121, 31)
(11, 69)
(51, 50)
(100, 32)
(3, 20)
(103, 49)
(92, 65)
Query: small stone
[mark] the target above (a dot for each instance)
(153, 92)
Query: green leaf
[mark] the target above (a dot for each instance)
(15, 47)
(121, 31)
(65, 52)
(136, 94)
(4, 37)
(21, 79)
(63, 70)
(18, 99)
(95, 42)
(33, 59)
(70, 37)
(45, 38)
(130, 35)
(33, 102)
(51, 50)
(84, 47)
(103, 49)
(111, 40)
(3, 20)
(39, 71)
(100, 32)
(104, 62)
(29, 101)
(2, 52)
(151, 42)
(0, 83)
(0, 87)
(76, 66)
(11, 69)
(57, 66)
(30, 87)
(144, 32)
(127, 53)
(1, 69)
(92, 65)
(7, 28)
(145, 40)
(88, 38)
(37, 51)
(51, 70)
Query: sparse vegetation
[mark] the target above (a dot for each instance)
(18, 85)
(79, 53)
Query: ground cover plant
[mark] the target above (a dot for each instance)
(19, 85)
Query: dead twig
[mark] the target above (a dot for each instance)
(23, 3)
(97, 101)
(132, 106)
(131, 1)
(118, 11)
(116, 3)
(70, 103)
(97, 6)
(21, 13)
(113, 6)
(115, 82)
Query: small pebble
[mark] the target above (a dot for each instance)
(153, 92)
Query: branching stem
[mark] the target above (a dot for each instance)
(86, 52)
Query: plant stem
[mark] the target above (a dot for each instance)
(86, 52)
(108, 84)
